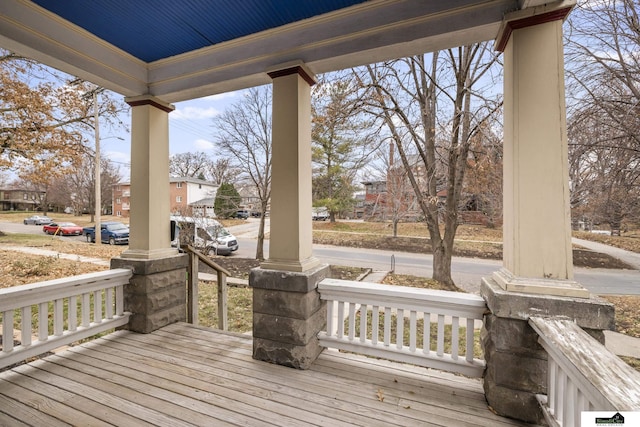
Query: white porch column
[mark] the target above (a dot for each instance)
(290, 246)
(150, 212)
(537, 224)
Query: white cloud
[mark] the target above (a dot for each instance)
(203, 144)
(117, 157)
(194, 113)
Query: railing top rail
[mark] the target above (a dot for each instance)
(331, 288)
(34, 293)
(590, 364)
(207, 261)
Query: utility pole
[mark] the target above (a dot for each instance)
(98, 207)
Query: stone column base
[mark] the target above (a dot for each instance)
(287, 315)
(516, 364)
(157, 292)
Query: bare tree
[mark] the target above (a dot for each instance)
(192, 165)
(483, 186)
(604, 120)
(427, 101)
(222, 170)
(243, 132)
(76, 188)
(398, 201)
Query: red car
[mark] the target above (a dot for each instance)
(63, 229)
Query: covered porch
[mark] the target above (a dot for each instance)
(154, 60)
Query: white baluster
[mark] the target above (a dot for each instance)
(108, 306)
(363, 322)
(387, 326)
(340, 333)
(25, 327)
(455, 341)
(7, 330)
(400, 329)
(470, 341)
(440, 336)
(352, 321)
(43, 321)
(375, 319)
(72, 313)
(426, 339)
(58, 319)
(413, 331)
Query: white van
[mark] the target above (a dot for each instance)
(204, 234)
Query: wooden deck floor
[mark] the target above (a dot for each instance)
(183, 375)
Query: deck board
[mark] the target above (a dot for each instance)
(184, 375)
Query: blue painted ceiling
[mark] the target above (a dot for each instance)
(157, 29)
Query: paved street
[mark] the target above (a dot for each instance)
(466, 272)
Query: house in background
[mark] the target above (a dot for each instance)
(249, 199)
(188, 197)
(21, 200)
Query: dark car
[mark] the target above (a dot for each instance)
(112, 232)
(242, 214)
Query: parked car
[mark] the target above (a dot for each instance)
(319, 214)
(112, 232)
(38, 220)
(63, 229)
(242, 214)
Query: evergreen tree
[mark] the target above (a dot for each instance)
(227, 201)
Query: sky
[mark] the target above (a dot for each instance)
(190, 130)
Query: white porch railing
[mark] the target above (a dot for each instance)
(347, 300)
(96, 297)
(583, 374)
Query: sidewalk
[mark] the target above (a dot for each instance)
(631, 258)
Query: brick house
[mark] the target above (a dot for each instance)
(188, 196)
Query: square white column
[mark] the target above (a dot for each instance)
(290, 246)
(150, 211)
(537, 220)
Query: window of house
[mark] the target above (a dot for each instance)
(178, 185)
(118, 213)
(25, 196)
(118, 200)
(179, 199)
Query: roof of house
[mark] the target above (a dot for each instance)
(208, 201)
(192, 180)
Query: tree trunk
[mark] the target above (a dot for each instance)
(442, 262)
(260, 245)
(395, 228)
